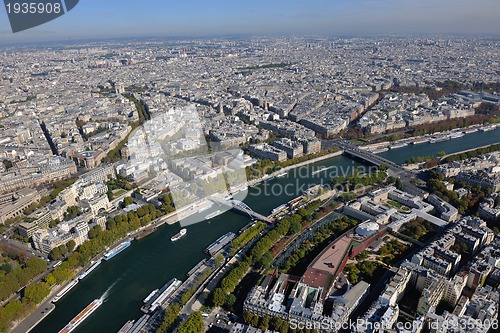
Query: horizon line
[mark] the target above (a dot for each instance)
(248, 35)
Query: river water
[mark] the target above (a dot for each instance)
(150, 262)
(468, 141)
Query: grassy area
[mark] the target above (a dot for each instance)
(117, 193)
(394, 203)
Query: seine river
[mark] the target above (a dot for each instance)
(148, 263)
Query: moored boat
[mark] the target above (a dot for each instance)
(113, 252)
(212, 215)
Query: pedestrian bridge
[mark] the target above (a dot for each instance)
(243, 208)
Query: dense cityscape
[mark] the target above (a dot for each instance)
(105, 144)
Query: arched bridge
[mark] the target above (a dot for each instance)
(243, 208)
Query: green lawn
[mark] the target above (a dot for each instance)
(394, 204)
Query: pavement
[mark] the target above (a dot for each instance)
(33, 319)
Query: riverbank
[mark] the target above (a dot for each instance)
(386, 145)
(127, 271)
(170, 219)
(466, 151)
(442, 160)
(189, 210)
(253, 182)
(39, 314)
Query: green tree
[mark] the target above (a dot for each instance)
(399, 184)
(35, 293)
(95, 231)
(187, 295)
(230, 300)
(62, 273)
(302, 212)
(13, 310)
(167, 199)
(71, 245)
(264, 323)
(250, 319)
(194, 324)
(296, 227)
(219, 259)
(127, 201)
(53, 223)
(50, 279)
(279, 325)
(63, 249)
(55, 254)
(218, 297)
(266, 260)
(169, 318)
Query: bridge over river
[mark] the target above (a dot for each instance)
(393, 169)
(242, 208)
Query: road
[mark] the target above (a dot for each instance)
(30, 252)
(33, 319)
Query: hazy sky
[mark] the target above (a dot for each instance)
(123, 18)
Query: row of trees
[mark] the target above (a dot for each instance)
(472, 153)
(222, 294)
(141, 108)
(11, 281)
(194, 324)
(448, 125)
(421, 159)
(264, 244)
(260, 254)
(350, 182)
(169, 318)
(32, 295)
(246, 236)
(99, 240)
(61, 251)
(114, 155)
(199, 280)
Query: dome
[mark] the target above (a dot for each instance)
(367, 228)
